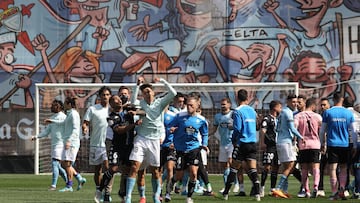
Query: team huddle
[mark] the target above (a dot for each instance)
(168, 136)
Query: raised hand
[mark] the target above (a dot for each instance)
(40, 43)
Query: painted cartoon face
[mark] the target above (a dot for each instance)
(238, 4)
(255, 63)
(194, 13)
(83, 71)
(314, 11)
(312, 73)
(7, 56)
(90, 8)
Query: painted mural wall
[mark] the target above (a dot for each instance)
(313, 42)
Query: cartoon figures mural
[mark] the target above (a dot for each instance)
(314, 43)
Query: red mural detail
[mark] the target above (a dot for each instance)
(4, 4)
(157, 3)
(24, 39)
(26, 10)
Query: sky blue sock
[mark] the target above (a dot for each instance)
(156, 189)
(129, 187)
(141, 190)
(226, 174)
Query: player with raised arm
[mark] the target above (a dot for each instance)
(147, 142)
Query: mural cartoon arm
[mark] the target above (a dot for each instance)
(201, 44)
(345, 72)
(235, 6)
(25, 83)
(101, 35)
(40, 43)
(124, 5)
(272, 69)
(141, 31)
(271, 6)
(282, 46)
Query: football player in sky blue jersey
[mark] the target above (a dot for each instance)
(149, 132)
(71, 142)
(224, 128)
(188, 126)
(56, 132)
(338, 122)
(284, 144)
(244, 139)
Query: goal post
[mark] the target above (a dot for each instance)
(260, 95)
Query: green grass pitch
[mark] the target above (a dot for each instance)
(33, 189)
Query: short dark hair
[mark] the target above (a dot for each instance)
(60, 103)
(72, 101)
(123, 88)
(337, 97)
(273, 104)
(196, 95)
(291, 96)
(227, 99)
(309, 102)
(301, 96)
(348, 102)
(145, 85)
(103, 89)
(324, 99)
(242, 95)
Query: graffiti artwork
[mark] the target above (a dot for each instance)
(314, 43)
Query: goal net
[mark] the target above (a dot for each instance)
(260, 95)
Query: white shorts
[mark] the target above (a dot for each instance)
(97, 155)
(146, 150)
(70, 154)
(203, 154)
(286, 152)
(57, 151)
(225, 153)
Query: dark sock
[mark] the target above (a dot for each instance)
(105, 179)
(297, 174)
(203, 173)
(273, 179)
(191, 188)
(264, 175)
(230, 180)
(252, 173)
